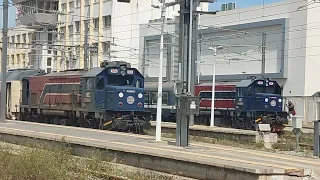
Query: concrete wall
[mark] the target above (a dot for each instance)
(150, 48)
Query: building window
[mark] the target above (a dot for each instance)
(55, 6)
(63, 31)
(24, 39)
(49, 61)
(64, 7)
(70, 31)
(96, 23)
(49, 49)
(78, 3)
(18, 58)
(12, 59)
(107, 21)
(30, 37)
(77, 24)
(94, 49)
(18, 41)
(12, 41)
(123, 1)
(71, 6)
(106, 47)
(87, 2)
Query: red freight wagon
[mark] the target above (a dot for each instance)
(224, 100)
(47, 90)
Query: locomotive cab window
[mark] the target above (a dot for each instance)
(89, 84)
(118, 80)
(264, 89)
(138, 83)
(100, 84)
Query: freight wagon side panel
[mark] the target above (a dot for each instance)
(58, 91)
(224, 96)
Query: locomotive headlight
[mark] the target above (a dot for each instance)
(140, 95)
(279, 100)
(266, 99)
(120, 94)
(130, 99)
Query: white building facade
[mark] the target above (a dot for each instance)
(19, 47)
(292, 49)
(113, 30)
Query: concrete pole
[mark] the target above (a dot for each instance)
(213, 85)
(4, 61)
(190, 46)
(159, 102)
(263, 63)
(199, 72)
(86, 32)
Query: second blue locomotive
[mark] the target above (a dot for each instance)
(241, 105)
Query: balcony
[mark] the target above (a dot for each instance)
(19, 1)
(38, 19)
(34, 13)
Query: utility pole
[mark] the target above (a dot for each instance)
(4, 61)
(187, 60)
(263, 61)
(215, 48)
(159, 102)
(190, 45)
(86, 31)
(213, 85)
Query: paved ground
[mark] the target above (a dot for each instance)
(216, 155)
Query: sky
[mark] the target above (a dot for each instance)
(240, 3)
(214, 6)
(12, 14)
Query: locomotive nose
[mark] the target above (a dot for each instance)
(129, 99)
(273, 103)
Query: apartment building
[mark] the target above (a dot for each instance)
(19, 47)
(113, 29)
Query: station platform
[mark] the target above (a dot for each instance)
(221, 133)
(199, 160)
(226, 133)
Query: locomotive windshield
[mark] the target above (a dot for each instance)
(265, 89)
(118, 80)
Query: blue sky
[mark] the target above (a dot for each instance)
(214, 6)
(241, 3)
(12, 14)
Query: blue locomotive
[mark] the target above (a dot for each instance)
(259, 101)
(106, 97)
(241, 105)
